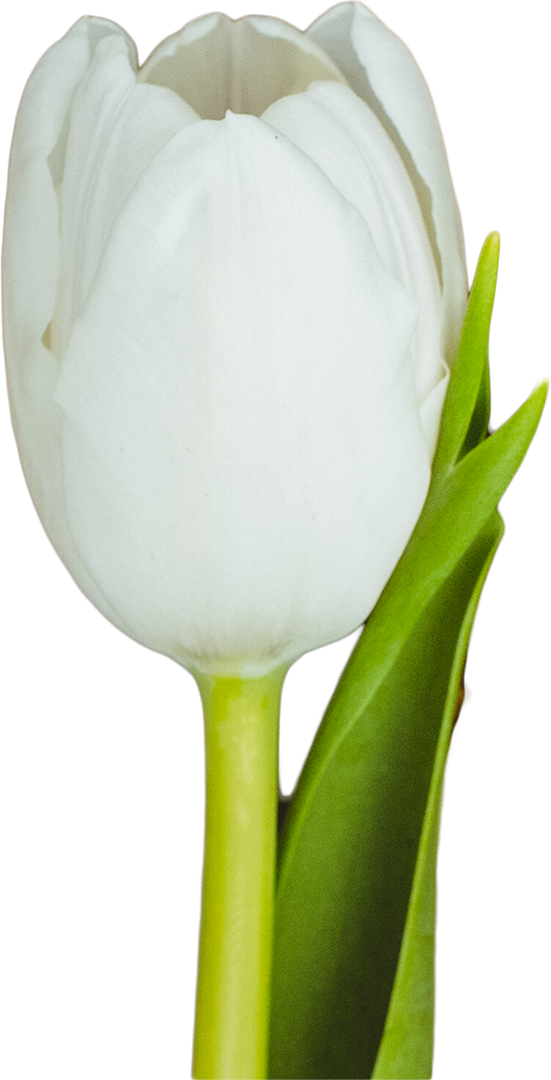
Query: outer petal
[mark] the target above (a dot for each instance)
(116, 128)
(31, 258)
(227, 413)
(340, 133)
(84, 133)
(382, 71)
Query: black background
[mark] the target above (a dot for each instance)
(102, 741)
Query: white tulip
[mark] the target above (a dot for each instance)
(233, 283)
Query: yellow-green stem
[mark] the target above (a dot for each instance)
(235, 949)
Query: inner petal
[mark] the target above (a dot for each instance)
(216, 63)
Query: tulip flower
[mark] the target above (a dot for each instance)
(234, 281)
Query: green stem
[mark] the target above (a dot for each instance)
(235, 950)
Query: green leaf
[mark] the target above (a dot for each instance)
(405, 1051)
(354, 931)
(466, 412)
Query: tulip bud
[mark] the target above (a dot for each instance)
(233, 283)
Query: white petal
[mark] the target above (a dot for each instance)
(32, 217)
(216, 64)
(30, 271)
(244, 459)
(116, 129)
(382, 71)
(340, 133)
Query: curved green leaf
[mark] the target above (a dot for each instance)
(405, 1051)
(466, 412)
(354, 932)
